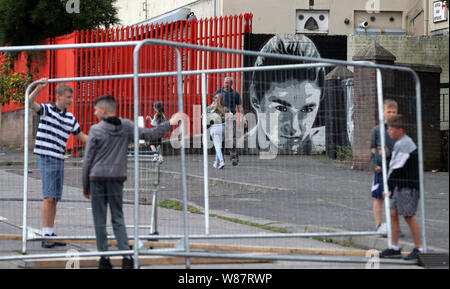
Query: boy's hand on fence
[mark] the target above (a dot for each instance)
(389, 194)
(41, 86)
(176, 118)
(87, 193)
(380, 152)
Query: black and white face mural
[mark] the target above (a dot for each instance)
(286, 101)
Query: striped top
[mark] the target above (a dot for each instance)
(55, 127)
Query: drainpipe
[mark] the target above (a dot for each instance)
(146, 9)
(427, 17)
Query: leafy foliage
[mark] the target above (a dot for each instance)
(12, 84)
(24, 22)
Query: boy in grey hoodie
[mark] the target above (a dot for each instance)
(105, 170)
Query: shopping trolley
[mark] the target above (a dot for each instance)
(149, 171)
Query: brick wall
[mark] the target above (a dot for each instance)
(432, 50)
(399, 86)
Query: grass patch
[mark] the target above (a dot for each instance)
(264, 227)
(175, 205)
(344, 243)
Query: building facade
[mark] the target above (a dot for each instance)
(343, 17)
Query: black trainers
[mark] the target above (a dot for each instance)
(60, 244)
(47, 244)
(104, 263)
(128, 263)
(391, 253)
(413, 254)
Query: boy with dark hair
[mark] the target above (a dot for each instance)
(105, 170)
(403, 181)
(390, 108)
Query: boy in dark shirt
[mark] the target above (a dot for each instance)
(390, 108)
(105, 170)
(403, 181)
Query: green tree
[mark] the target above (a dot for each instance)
(24, 22)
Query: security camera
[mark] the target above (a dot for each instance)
(364, 24)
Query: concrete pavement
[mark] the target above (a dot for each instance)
(296, 194)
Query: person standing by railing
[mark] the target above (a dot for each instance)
(55, 126)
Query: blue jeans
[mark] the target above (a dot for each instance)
(52, 176)
(217, 132)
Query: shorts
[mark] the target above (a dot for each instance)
(52, 176)
(405, 201)
(377, 186)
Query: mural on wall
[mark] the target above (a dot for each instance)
(288, 103)
(290, 97)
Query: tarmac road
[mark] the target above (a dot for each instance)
(292, 192)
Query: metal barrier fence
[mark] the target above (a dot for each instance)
(225, 32)
(185, 252)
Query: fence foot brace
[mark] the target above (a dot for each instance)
(116, 261)
(220, 247)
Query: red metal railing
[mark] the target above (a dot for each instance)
(224, 32)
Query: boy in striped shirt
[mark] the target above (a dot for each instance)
(55, 126)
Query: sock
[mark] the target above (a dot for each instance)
(420, 250)
(47, 231)
(396, 248)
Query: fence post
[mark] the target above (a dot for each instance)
(383, 156)
(205, 154)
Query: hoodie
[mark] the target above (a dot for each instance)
(106, 152)
(403, 167)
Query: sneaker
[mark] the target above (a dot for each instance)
(128, 263)
(413, 254)
(104, 263)
(160, 159)
(382, 229)
(47, 244)
(60, 244)
(215, 165)
(391, 253)
(221, 165)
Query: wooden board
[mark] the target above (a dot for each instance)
(116, 261)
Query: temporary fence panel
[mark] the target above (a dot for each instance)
(346, 212)
(223, 32)
(304, 191)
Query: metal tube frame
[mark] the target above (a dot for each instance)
(316, 62)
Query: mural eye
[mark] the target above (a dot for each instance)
(307, 108)
(281, 108)
(301, 17)
(321, 17)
